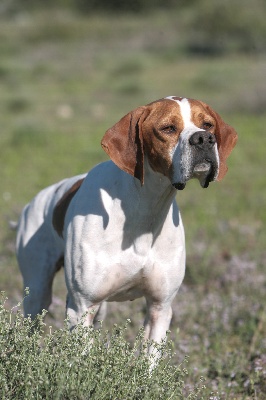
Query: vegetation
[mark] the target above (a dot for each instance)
(65, 77)
(84, 364)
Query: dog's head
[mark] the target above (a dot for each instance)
(181, 138)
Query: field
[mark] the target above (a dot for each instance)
(64, 80)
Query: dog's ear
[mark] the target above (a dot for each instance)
(226, 138)
(124, 143)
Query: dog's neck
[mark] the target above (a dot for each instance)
(155, 186)
(151, 202)
(150, 206)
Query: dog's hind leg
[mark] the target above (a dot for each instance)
(40, 295)
(37, 257)
(38, 276)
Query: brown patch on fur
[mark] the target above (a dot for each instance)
(61, 207)
(158, 141)
(141, 131)
(123, 143)
(199, 115)
(225, 135)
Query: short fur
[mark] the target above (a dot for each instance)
(119, 228)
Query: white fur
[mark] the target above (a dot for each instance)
(181, 153)
(121, 241)
(126, 246)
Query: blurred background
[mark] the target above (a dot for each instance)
(70, 69)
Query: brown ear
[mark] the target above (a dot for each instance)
(124, 143)
(226, 138)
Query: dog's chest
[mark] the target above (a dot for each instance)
(128, 276)
(128, 262)
(124, 247)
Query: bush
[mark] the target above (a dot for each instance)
(84, 364)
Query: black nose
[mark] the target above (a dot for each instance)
(202, 139)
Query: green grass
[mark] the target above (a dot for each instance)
(65, 79)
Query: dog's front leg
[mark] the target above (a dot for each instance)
(156, 325)
(157, 321)
(78, 310)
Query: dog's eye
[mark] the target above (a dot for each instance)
(169, 129)
(206, 125)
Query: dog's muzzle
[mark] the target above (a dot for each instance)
(203, 159)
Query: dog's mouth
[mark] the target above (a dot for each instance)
(204, 171)
(201, 168)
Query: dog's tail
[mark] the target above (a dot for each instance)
(13, 225)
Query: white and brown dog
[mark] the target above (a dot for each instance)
(117, 229)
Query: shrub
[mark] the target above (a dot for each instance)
(83, 364)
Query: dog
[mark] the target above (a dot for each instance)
(118, 230)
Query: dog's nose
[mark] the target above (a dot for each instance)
(202, 139)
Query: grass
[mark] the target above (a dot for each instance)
(65, 79)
